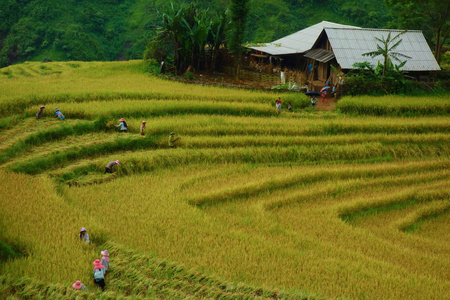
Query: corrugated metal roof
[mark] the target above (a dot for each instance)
(349, 44)
(298, 42)
(321, 55)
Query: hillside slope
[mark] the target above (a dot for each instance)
(252, 204)
(120, 29)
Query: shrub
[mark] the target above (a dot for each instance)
(156, 50)
(190, 76)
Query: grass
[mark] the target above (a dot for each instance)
(396, 105)
(350, 204)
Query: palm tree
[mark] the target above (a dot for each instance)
(387, 51)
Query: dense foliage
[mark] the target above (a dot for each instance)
(238, 20)
(120, 29)
(431, 16)
(367, 79)
(187, 30)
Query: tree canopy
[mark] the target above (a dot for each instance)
(188, 28)
(121, 29)
(431, 16)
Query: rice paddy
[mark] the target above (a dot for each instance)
(250, 205)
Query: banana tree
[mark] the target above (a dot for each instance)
(197, 29)
(217, 36)
(173, 29)
(386, 49)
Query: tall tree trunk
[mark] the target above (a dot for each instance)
(176, 58)
(239, 11)
(238, 66)
(215, 54)
(437, 48)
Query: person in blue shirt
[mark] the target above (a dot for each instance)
(58, 114)
(99, 274)
(123, 125)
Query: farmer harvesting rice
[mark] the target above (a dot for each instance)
(99, 274)
(123, 125)
(105, 259)
(172, 140)
(109, 167)
(39, 113)
(58, 114)
(84, 236)
(142, 129)
(79, 286)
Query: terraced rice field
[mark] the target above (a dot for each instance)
(250, 205)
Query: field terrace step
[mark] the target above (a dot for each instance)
(156, 276)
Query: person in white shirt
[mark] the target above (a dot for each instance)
(84, 236)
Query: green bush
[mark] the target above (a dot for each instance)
(190, 76)
(156, 50)
(361, 85)
(366, 79)
(9, 250)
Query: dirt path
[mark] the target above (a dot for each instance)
(329, 104)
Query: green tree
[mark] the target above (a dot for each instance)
(239, 12)
(190, 29)
(197, 27)
(217, 36)
(386, 49)
(173, 29)
(431, 16)
(156, 49)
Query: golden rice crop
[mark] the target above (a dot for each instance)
(153, 107)
(96, 78)
(396, 100)
(227, 231)
(250, 202)
(34, 215)
(395, 105)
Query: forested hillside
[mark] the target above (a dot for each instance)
(120, 29)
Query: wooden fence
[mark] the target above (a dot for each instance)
(262, 78)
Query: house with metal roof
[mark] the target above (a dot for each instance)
(290, 49)
(342, 47)
(298, 42)
(315, 49)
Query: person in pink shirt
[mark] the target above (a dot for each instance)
(79, 286)
(105, 259)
